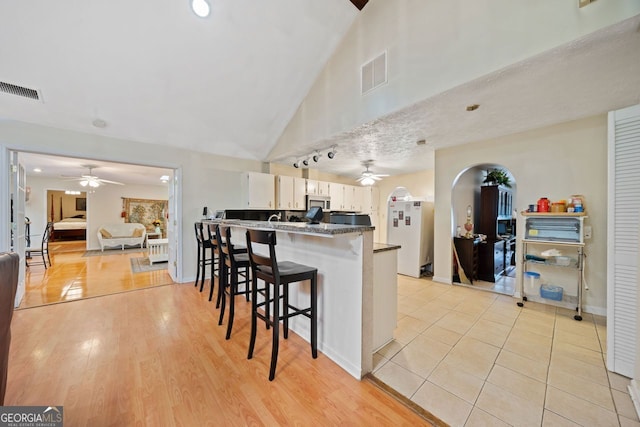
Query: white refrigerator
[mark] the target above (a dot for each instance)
(410, 225)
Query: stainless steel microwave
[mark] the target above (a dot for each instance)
(323, 202)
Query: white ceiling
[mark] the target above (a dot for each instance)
(229, 84)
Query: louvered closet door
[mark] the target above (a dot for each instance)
(623, 230)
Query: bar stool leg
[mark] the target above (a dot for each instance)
(254, 317)
(204, 267)
(276, 326)
(221, 267)
(285, 310)
(221, 288)
(314, 316)
(198, 270)
(233, 289)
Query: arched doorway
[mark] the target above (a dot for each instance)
(484, 228)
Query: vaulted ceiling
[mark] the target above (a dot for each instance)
(229, 84)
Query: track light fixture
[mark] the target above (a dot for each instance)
(315, 156)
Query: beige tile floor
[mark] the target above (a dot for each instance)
(474, 358)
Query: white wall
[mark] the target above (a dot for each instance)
(433, 46)
(554, 162)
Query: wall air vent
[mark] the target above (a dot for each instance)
(374, 73)
(25, 92)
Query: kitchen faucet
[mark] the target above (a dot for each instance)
(277, 216)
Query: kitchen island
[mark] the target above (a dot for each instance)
(343, 255)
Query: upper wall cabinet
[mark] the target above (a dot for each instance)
(370, 196)
(258, 190)
(312, 187)
(290, 193)
(336, 192)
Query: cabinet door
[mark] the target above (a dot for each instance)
(299, 191)
(348, 198)
(358, 199)
(323, 188)
(284, 196)
(312, 187)
(259, 190)
(367, 202)
(336, 191)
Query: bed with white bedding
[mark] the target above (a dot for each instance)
(69, 229)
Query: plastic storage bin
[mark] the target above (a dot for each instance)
(551, 292)
(531, 282)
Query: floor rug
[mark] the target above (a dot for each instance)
(142, 264)
(113, 251)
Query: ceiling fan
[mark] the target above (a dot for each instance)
(367, 177)
(91, 180)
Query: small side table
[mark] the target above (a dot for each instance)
(151, 235)
(159, 250)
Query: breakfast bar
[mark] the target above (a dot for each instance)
(343, 255)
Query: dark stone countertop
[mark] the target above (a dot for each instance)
(323, 229)
(381, 247)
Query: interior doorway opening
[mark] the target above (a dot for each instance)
(60, 191)
(484, 228)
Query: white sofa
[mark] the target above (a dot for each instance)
(112, 235)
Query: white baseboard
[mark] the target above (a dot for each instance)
(444, 280)
(634, 391)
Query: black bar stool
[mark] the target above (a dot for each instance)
(215, 257)
(203, 259)
(234, 262)
(277, 274)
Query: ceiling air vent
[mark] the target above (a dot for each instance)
(374, 73)
(25, 92)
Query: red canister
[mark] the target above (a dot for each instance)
(543, 204)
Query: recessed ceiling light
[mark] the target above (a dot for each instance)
(200, 8)
(37, 170)
(473, 107)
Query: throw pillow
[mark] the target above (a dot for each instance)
(105, 233)
(137, 232)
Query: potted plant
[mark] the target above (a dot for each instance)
(497, 177)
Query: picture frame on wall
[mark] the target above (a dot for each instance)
(81, 203)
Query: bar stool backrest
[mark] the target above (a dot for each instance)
(265, 268)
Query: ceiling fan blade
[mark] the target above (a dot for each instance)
(380, 174)
(106, 181)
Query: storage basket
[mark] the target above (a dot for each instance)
(551, 292)
(531, 282)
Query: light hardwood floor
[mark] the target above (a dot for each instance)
(73, 276)
(156, 356)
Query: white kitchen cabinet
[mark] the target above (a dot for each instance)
(299, 193)
(358, 199)
(258, 190)
(370, 196)
(323, 188)
(290, 193)
(284, 192)
(336, 192)
(348, 198)
(312, 187)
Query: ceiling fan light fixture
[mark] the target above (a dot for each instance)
(84, 183)
(367, 180)
(94, 183)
